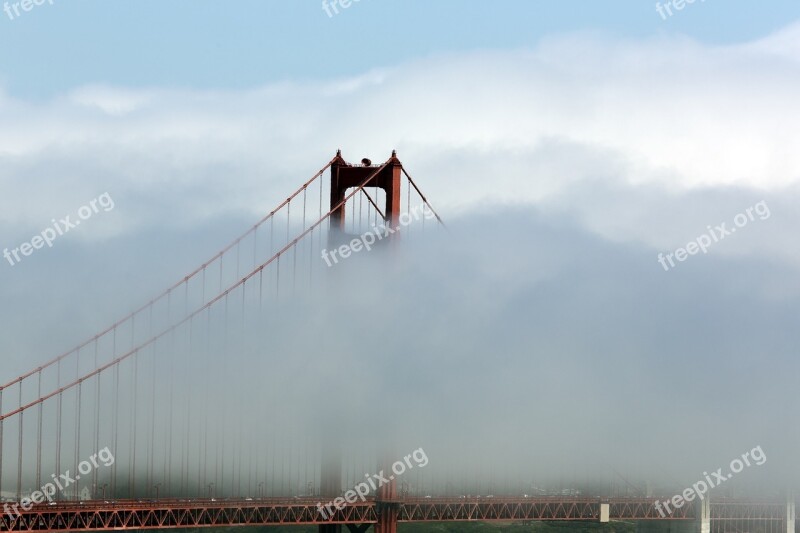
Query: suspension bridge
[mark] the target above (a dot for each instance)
(132, 428)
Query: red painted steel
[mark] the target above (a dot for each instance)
(345, 176)
(167, 514)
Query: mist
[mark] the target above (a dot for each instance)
(537, 343)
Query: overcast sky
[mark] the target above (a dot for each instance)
(568, 144)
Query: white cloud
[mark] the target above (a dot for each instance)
(580, 112)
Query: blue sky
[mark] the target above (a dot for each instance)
(214, 44)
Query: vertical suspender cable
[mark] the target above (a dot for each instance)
(241, 343)
(39, 433)
(224, 418)
(408, 203)
(115, 421)
(278, 276)
(273, 469)
(58, 420)
(134, 404)
(202, 468)
(96, 416)
(77, 418)
(255, 247)
(187, 394)
(19, 456)
(151, 458)
(168, 437)
(319, 244)
(250, 444)
(220, 274)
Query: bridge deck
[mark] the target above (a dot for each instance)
(160, 514)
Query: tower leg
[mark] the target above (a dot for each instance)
(387, 518)
(387, 507)
(704, 516)
(331, 480)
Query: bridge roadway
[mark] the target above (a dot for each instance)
(99, 515)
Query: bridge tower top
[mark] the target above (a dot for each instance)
(345, 176)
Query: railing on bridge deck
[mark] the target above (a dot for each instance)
(98, 515)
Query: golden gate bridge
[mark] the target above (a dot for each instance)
(131, 409)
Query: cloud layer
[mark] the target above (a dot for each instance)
(566, 169)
